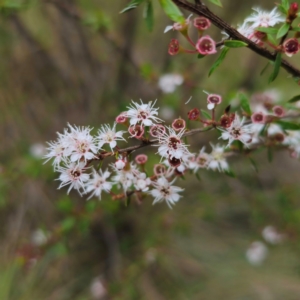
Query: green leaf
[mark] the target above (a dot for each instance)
(198, 177)
(296, 29)
(219, 60)
(283, 30)
(200, 56)
(235, 44)
(148, 15)
(229, 173)
(67, 224)
(285, 4)
(271, 39)
(264, 69)
(132, 5)
(294, 99)
(276, 69)
(288, 125)
(245, 103)
(267, 30)
(172, 11)
(206, 114)
(282, 9)
(254, 165)
(216, 2)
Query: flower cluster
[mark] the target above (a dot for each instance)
(78, 155)
(204, 45)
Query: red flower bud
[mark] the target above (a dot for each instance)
(194, 114)
(291, 46)
(178, 124)
(174, 47)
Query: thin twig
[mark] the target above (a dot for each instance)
(202, 10)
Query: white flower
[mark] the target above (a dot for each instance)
(168, 82)
(39, 237)
(82, 143)
(246, 30)
(74, 175)
(97, 289)
(55, 150)
(37, 150)
(164, 190)
(256, 253)
(271, 235)
(141, 182)
(108, 135)
(218, 159)
(98, 183)
(237, 131)
(143, 113)
(262, 18)
(171, 146)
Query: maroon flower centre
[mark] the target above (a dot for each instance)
(236, 132)
(291, 46)
(214, 99)
(75, 174)
(143, 115)
(206, 45)
(173, 143)
(258, 117)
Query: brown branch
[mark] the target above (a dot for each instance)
(202, 10)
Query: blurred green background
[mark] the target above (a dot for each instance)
(82, 62)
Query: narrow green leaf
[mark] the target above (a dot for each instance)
(276, 69)
(219, 60)
(282, 9)
(285, 4)
(254, 165)
(264, 69)
(294, 99)
(206, 114)
(131, 5)
(198, 177)
(216, 2)
(270, 154)
(296, 29)
(230, 173)
(288, 125)
(172, 11)
(267, 30)
(235, 44)
(283, 30)
(200, 56)
(245, 103)
(271, 39)
(148, 15)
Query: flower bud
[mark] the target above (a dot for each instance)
(293, 12)
(226, 120)
(121, 118)
(259, 118)
(194, 114)
(206, 45)
(201, 23)
(178, 124)
(278, 111)
(157, 130)
(174, 47)
(141, 159)
(159, 169)
(291, 46)
(136, 131)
